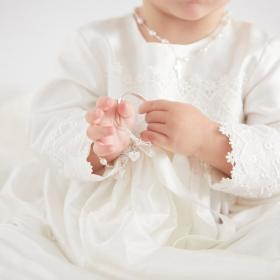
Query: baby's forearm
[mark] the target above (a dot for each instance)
(215, 149)
(97, 168)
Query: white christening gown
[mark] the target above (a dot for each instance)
(162, 216)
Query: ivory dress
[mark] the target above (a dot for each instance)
(162, 216)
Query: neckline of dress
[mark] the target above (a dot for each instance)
(140, 38)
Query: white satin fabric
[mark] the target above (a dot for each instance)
(163, 216)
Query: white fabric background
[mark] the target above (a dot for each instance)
(32, 31)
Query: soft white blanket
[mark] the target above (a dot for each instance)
(25, 254)
(13, 134)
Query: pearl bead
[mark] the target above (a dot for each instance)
(140, 20)
(152, 33)
(103, 161)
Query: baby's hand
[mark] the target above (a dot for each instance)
(107, 126)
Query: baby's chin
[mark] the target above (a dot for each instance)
(192, 12)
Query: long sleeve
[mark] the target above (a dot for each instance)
(255, 154)
(57, 126)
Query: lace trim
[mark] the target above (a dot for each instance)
(68, 146)
(231, 156)
(255, 157)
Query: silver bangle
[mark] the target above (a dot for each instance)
(131, 152)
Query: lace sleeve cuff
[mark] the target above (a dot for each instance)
(255, 157)
(67, 148)
(65, 144)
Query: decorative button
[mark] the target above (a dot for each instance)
(133, 155)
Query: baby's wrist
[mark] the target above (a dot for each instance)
(110, 159)
(130, 152)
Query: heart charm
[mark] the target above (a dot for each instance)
(133, 155)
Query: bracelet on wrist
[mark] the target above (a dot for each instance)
(103, 161)
(131, 152)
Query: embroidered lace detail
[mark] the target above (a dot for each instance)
(68, 146)
(219, 96)
(255, 158)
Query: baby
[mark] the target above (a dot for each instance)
(205, 203)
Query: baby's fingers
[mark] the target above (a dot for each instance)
(105, 103)
(94, 116)
(125, 110)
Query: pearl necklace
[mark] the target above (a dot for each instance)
(179, 61)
